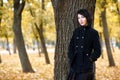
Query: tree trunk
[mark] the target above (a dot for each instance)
(112, 47)
(66, 22)
(116, 2)
(14, 46)
(42, 37)
(0, 59)
(36, 37)
(8, 47)
(100, 24)
(106, 35)
(118, 11)
(40, 31)
(38, 46)
(18, 8)
(1, 5)
(101, 44)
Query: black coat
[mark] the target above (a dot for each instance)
(84, 48)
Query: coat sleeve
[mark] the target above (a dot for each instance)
(71, 47)
(96, 48)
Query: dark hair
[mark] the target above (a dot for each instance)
(86, 14)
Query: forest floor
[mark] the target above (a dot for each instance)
(10, 68)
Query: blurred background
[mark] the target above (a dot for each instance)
(30, 25)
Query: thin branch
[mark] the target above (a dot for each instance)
(31, 12)
(21, 7)
(1, 2)
(36, 27)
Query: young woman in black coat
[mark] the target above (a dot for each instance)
(84, 48)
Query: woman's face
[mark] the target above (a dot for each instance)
(82, 20)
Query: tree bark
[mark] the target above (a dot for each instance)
(18, 8)
(106, 35)
(66, 22)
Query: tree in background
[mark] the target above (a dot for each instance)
(6, 29)
(40, 31)
(117, 4)
(1, 5)
(39, 28)
(66, 22)
(18, 8)
(106, 34)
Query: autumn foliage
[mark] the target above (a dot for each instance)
(10, 68)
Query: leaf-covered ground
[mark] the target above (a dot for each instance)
(10, 68)
(104, 72)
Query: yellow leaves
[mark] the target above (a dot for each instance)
(112, 19)
(10, 68)
(104, 72)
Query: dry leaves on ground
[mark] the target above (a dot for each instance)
(104, 72)
(10, 68)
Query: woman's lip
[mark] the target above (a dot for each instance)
(81, 23)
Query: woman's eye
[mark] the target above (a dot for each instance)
(82, 17)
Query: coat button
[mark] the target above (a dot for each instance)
(77, 37)
(81, 46)
(82, 37)
(76, 46)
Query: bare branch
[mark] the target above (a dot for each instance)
(1, 2)
(21, 7)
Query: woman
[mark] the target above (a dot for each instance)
(84, 48)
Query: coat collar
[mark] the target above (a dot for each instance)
(84, 27)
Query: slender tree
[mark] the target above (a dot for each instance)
(18, 8)
(106, 34)
(8, 47)
(1, 5)
(66, 22)
(118, 13)
(118, 9)
(14, 46)
(0, 59)
(39, 28)
(36, 37)
(100, 24)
